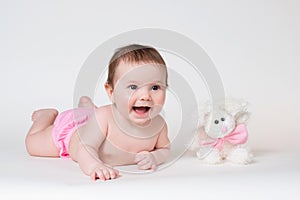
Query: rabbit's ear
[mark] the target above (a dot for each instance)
(235, 106)
(204, 111)
(203, 118)
(242, 117)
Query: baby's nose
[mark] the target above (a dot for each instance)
(145, 95)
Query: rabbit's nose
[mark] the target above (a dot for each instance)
(224, 129)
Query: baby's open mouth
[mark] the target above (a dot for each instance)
(141, 109)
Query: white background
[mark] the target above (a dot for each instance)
(255, 46)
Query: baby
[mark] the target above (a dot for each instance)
(128, 131)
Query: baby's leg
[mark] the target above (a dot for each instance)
(39, 140)
(42, 119)
(86, 102)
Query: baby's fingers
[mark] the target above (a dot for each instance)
(153, 167)
(98, 174)
(143, 162)
(106, 174)
(139, 157)
(113, 173)
(148, 166)
(145, 166)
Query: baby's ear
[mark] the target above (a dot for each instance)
(242, 117)
(109, 90)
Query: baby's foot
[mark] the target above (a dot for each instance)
(86, 102)
(44, 115)
(42, 119)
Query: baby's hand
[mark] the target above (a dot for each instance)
(145, 160)
(104, 172)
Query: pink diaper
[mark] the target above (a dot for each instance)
(66, 124)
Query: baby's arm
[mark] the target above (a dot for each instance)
(91, 136)
(150, 160)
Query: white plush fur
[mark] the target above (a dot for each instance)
(217, 121)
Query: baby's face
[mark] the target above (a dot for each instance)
(140, 90)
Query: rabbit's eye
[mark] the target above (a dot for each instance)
(222, 119)
(216, 121)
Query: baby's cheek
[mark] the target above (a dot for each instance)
(123, 104)
(160, 98)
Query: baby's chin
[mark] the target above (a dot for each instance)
(143, 122)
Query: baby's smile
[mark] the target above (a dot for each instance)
(141, 111)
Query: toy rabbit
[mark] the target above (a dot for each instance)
(223, 133)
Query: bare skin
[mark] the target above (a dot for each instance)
(97, 153)
(86, 102)
(39, 140)
(110, 138)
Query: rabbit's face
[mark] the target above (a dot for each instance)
(219, 124)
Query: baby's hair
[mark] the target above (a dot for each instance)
(133, 53)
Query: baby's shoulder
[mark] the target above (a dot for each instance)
(103, 116)
(103, 111)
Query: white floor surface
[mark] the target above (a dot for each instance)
(273, 175)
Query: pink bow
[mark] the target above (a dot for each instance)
(239, 135)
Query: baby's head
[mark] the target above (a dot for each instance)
(136, 83)
(133, 55)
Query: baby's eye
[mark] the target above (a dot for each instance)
(155, 87)
(216, 121)
(133, 87)
(222, 119)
